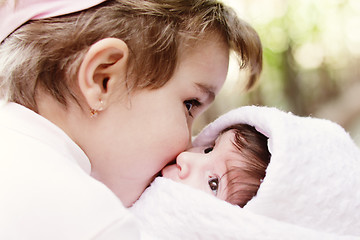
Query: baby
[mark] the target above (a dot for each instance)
(232, 169)
(308, 191)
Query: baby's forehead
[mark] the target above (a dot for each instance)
(225, 135)
(226, 143)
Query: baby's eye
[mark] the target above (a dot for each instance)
(207, 150)
(214, 184)
(190, 104)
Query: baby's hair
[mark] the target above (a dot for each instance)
(47, 53)
(245, 175)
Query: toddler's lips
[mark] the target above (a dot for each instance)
(171, 171)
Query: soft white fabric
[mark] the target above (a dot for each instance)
(311, 189)
(46, 191)
(170, 210)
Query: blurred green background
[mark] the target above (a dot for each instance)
(311, 61)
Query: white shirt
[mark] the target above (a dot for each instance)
(46, 191)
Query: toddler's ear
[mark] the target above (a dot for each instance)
(102, 69)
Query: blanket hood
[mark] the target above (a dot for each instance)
(313, 177)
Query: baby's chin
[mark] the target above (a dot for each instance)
(171, 172)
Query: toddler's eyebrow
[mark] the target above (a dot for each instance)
(208, 90)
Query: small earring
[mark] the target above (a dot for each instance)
(95, 112)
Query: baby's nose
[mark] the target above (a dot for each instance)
(184, 161)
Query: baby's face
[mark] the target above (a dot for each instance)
(204, 168)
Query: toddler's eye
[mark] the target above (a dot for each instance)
(214, 184)
(190, 104)
(209, 149)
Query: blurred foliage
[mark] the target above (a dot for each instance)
(311, 60)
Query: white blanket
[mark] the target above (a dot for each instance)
(311, 189)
